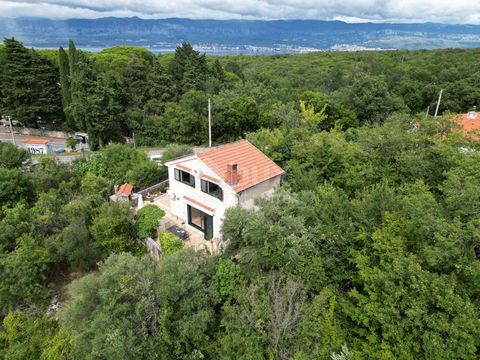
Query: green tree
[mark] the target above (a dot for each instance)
(264, 323)
(65, 74)
(170, 243)
(404, 309)
(147, 220)
(25, 335)
(112, 230)
(15, 222)
(14, 186)
(23, 274)
(28, 84)
(227, 279)
(12, 157)
(188, 70)
(164, 311)
(370, 98)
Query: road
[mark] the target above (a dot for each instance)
(5, 136)
(57, 143)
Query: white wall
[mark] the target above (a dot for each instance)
(230, 197)
(179, 205)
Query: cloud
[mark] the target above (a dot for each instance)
(446, 11)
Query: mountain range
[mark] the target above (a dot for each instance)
(238, 36)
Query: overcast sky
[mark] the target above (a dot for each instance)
(445, 11)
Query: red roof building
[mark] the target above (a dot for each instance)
(470, 124)
(36, 142)
(124, 190)
(204, 185)
(252, 166)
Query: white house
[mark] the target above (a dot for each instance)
(204, 185)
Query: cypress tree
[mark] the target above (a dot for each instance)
(64, 67)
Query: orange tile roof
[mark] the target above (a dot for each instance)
(36, 142)
(125, 190)
(469, 124)
(254, 166)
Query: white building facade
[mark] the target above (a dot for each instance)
(204, 185)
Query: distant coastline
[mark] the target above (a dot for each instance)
(247, 37)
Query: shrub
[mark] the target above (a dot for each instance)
(170, 243)
(147, 220)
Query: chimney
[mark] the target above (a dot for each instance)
(232, 173)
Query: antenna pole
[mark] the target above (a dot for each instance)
(209, 124)
(438, 102)
(11, 130)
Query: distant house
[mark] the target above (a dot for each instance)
(469, 124)
(123, 193)
(204, 185)
(38, 146)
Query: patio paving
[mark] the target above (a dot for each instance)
(196, 238)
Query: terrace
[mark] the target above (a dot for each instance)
(195, 239)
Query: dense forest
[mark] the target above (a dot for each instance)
(127, 91)
(370, 249)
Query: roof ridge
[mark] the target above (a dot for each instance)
(222, 146)
(254, 166)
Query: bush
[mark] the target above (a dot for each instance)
(170, 243)
(72, 143)
(147, 220)
(227, 278)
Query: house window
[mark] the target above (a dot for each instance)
(185, 177)
(212, 189)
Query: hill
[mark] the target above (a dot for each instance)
(238, 36)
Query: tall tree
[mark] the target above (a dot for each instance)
(28, 85)
(189, 70)
(64, 68)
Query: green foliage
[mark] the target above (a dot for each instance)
(25, 335)
(147, 220)
(95, 187)
(49, 174)
(235, 115)
(169, 243)
(188, 69)
(23, 274)
(74, 244)
(174, 151)
(14, 186)
(264, 322)
(372, 241)
(119, 164)
(227, 279)
(28, 85)
(12, 157)
(72, 143)
(164, 311)
(112, 230)
(320, 331)
(424, 306)
(15, 222)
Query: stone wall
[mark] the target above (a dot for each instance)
(40, 132)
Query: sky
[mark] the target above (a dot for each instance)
(443, 11)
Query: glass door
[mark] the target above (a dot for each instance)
(208, 227)
(201, 221)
